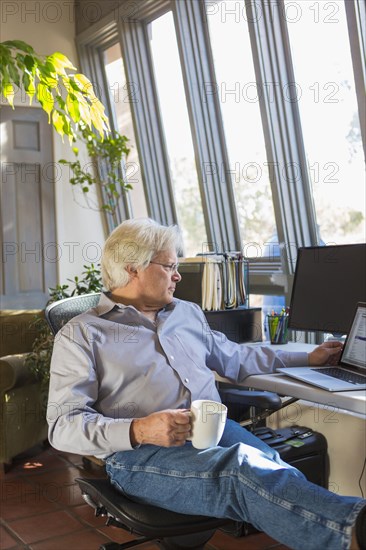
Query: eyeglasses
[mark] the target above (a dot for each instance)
(173, 268)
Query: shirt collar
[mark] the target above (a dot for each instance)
(106, 304)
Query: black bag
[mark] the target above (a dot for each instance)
(301, 447)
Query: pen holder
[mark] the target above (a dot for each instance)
(278, 328)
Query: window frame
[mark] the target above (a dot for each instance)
(356, 21)
(91, 53)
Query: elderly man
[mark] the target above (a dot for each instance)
(123, 376)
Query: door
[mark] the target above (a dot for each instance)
(27, 208)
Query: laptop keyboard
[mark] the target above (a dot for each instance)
(342, 374)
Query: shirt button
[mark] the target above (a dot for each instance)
(172, 357)
(186, 380)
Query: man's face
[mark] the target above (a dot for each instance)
(157, 282)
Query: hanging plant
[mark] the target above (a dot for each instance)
(108, 156)
(67, 97)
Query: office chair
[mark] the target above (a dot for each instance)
(170, 530)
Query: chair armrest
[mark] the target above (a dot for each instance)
(259, 399)
(14, 372)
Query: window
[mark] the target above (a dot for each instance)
(235, 99)
(238, 95)
(121, 95)
(173, 106)
(329, 117)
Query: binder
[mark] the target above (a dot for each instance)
(215, 281)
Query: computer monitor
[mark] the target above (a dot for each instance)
(328, 283)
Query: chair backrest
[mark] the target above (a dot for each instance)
(59, 313)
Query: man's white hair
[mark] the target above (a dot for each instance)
(135, 243)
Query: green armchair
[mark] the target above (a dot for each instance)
(22, 413)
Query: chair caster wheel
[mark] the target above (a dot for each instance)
(110, 546)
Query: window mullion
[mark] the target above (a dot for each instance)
(207, 132)
(288, 170)
(123, 211)
(149, 132)
(356, 16)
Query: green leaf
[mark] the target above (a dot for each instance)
(8, 93)
(45, 98)
(50, 67)
(29, 87)
(19, 58)
(20, 45)
(73, 107)
(47, 77)
(74, 86)
(60, 62)
(61, 102)
(5, 54)
(66, 125)
(29, 62)
(58, 124)
(14, 74)
(84, 110)
(85, 189)
(49, 81)
(66, 82)
(98, 117)
(85, 86)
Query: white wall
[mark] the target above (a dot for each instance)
(49, 27)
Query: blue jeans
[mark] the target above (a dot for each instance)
(242, 479)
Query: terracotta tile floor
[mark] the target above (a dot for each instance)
(42, 509)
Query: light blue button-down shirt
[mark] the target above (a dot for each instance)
(112, 364)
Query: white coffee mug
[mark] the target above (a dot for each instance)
(208, 423)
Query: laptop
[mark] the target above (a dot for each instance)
(350, 374)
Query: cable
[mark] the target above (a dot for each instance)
(359, 481)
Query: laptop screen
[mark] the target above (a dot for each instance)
(354, 352)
